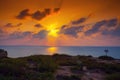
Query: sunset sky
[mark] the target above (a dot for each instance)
(60, 22)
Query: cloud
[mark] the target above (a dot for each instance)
(115, 32)
(19, 24)
(81, 20)
(112, 22)
(41, 35)
(27, 33)
(37, 15)
(24, 13)
(104, 27)
(72, 31)
(19, 35)
(1, 33)
(47, 11)
(63, 27)
(16, 35)
(38, 25)
(104, 23)
(56, 10)
(8, 25)
(74, 28)
(96, 27)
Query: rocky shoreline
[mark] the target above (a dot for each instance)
(58, 67)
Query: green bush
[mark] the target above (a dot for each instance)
(115, 76)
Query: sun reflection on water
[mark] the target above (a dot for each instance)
(52, 50)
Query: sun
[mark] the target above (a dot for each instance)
(53, 30)
(53, 34)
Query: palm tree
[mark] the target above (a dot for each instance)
(106, 51)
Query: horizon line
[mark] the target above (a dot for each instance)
(57, 46)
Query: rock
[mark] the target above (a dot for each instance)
(3, 53)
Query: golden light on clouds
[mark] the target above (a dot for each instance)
(53, 30)
(42, 20)
(52, 34)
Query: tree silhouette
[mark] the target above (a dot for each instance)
(106, 51)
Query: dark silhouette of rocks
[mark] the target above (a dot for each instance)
(3, 53)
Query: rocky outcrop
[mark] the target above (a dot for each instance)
(3, 53)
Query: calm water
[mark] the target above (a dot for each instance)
(21, 51)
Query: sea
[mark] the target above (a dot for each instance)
(95, 51)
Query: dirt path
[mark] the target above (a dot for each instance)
(93, 76)
(64, 71)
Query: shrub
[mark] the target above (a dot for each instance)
(106, 57)
(115, 76)
(72, 77)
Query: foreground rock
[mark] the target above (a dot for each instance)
(3, 53)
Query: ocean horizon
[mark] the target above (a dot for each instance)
(22, 51)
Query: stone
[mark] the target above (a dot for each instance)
(3, 53)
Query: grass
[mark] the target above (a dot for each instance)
(42, 67)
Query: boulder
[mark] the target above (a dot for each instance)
(3, 53)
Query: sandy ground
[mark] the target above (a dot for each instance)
(65, 71)
(93, 76)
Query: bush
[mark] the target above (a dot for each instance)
(75, 77)
(11, 70)
(106, 58)
(115, 76)
(39, 76)
(64, 60)
(19, 68)
(72, 77)
(6, 78)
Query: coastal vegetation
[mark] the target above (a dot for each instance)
(27, 68)
(59, 67)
